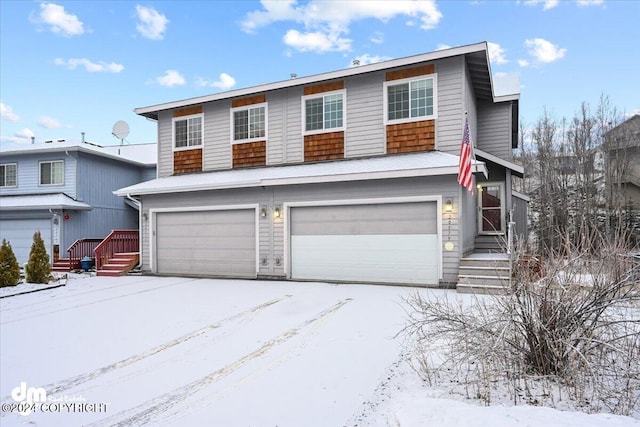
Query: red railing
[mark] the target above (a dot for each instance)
(80, 249)
(118, 241)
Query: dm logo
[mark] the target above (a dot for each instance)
(31, 395)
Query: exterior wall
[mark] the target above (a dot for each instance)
(250, 154)
(324, 146)
(494, 129)
(411, 137)
(520, 216)
(28, 179)
(470, 107)
(470, 224)
(271, 230)
(186, 161)
(365, 132)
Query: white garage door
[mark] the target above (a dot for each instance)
(19, 232)
(388, 243)
(211, 243)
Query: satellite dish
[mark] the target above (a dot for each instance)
(120, 130)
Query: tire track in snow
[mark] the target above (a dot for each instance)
(143, 413)
(88, 376)
(42, 312)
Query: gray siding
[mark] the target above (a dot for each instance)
(470, 225)
(450, 105)
(216, 136)
(470, 108)
(28, 167)
(271, 230)
(165, 144)
(365, 133)
(293, 140)
(494, 129)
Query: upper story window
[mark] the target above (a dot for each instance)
(52, 173)
(187, 131)
(8, 175)
(249, 123)
(410, 100)
(324, 112)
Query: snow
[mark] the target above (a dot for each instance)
(403, 165)
(178, 351)
(42, 201)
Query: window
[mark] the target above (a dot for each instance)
(249, 123)
(187, 131)
(410, 99)
(52, 173)
(8, 175)
(324, 112)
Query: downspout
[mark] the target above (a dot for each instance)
(139, 205)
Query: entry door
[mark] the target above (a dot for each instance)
(491, 208)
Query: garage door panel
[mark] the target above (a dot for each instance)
(19, 232)
(220, 242)
(387, 243)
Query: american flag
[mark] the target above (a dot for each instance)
(465, 177)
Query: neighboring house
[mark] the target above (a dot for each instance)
(622, 163)
(65, 190)
(347, 176)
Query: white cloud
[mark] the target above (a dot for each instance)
(326, 22)
(443, 46)
(225, 81)
(523, 63)
(547, 4)
(49, 123)
(544, 51)
(152, 24)
(316, 41)
(171, 78)
(369, 59)
(90, 66)
(6, 112)
(58, 20)
(583, 3)
(21, 137)
(496, 53)
(377, 38)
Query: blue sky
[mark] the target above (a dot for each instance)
(68, 67)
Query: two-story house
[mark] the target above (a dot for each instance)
(65, 191)
(622, 164)
(347, 176)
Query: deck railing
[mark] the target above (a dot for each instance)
(118, 241)
(80, 249)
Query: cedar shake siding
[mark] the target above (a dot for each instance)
(324, 146)
(406, 73)
(188, 111)
(249, 100)
(186, 161)
(250, 154)
(410, 137)
(324, 87)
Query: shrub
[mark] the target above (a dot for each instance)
(38, 268)
(9, 267)
(572, 331)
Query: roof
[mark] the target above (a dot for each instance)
(393, 166)
(40, 202)
(476, 56)
(139, 154)
(515, 168)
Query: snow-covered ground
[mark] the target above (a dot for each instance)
(143, 350)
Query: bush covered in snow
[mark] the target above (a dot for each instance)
(9, 267)
(38, 269)
(567, 338)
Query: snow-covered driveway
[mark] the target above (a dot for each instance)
(184, 351)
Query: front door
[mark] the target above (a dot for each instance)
(491, 208)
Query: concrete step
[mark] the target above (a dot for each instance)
(483, 280)
(475, 270)
(485, 262)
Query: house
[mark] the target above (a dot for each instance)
(346, 176)
(622, 163)
(65, 190)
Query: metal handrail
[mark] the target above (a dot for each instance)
(118, 241)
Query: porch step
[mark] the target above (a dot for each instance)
(61, 265)
(483, 273)
(119, 264)
(489, 244)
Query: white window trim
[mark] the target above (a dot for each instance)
(343, 92)
(386, 84)
(173, 132)
(40, 173)
(5, 175)
(249, 107)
